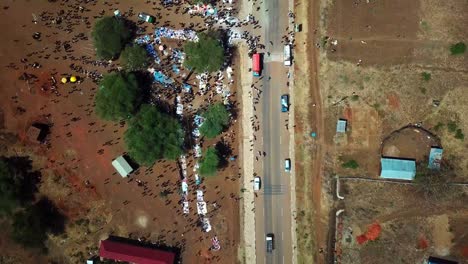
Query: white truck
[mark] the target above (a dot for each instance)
(287, 55)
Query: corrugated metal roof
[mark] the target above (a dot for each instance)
(398, 169)
(122, 166)
(435, 157)
(135, 254)
(341, 126)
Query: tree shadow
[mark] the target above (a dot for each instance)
(224, 152)
(52, 219)
(25, 179)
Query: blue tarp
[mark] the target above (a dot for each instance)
(435, 157)
(398, 169)
(152, 52)
(161, 78)
(341, 126)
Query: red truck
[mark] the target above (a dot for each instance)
(256, 64)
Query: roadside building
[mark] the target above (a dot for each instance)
(397, 169)
(341, 126)
(435, 158)
(134, 253)
(122, 166)
(37, 132)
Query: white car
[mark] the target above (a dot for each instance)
(287, 165)
(256, 184)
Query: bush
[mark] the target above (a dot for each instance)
(209, 163)
(355, 97)
(110, 36)
(216, 119)
(206, 55)
(350, 164)
(153, 135)
(452, 126)
(426, 76)
(134, 58)
(117, 97)
(458, 48)
(459, 134)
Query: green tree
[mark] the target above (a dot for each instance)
(350, 164)
(153, 135)
(134, 58)
(8, 189)
(118, 96)
(209, 163)
(216, 119)
(206, 55)
(109, 36)
(458, 48)
(31, 225)
(18, 183)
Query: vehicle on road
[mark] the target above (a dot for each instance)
(284, 103)
(287, 55)
(270, 244)
(146, 17)
(257, 183)
(257, 64)
(287, 165)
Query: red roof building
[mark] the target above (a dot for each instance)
(134, 254)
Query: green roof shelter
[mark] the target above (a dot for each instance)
(122, 166)
(397, 169)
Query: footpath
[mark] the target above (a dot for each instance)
(248, 205)
(247, 214)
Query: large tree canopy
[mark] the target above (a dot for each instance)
(118, 96)
(110, 36)
(216, 119)
(31, 225)
(18, 183)
(209, 163)
(134, 58)
(153, 135)
(206, 55)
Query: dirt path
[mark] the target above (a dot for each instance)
(248, 206)
(309, 119)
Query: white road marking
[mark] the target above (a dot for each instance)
(281, 211)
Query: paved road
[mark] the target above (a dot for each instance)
(273, 211)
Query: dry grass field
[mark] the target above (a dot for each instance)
(384, 65)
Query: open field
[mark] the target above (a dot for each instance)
(387, 90)
(76, 163)
(412, 228)
(382, 66)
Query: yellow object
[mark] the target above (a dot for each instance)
(73, 79)
(64, 80)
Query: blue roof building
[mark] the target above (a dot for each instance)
(435, 157)
(341, 126)
(397, 169)
(434, 260)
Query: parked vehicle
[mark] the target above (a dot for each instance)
(146, 17)
(287, 165)
(287, 55)
(270, 243)
(284, 103)
(257, 183)
(257, 64)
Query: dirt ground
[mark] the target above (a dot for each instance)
(81, 147)
(373, 75)
(411, 229)
(382, 66)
